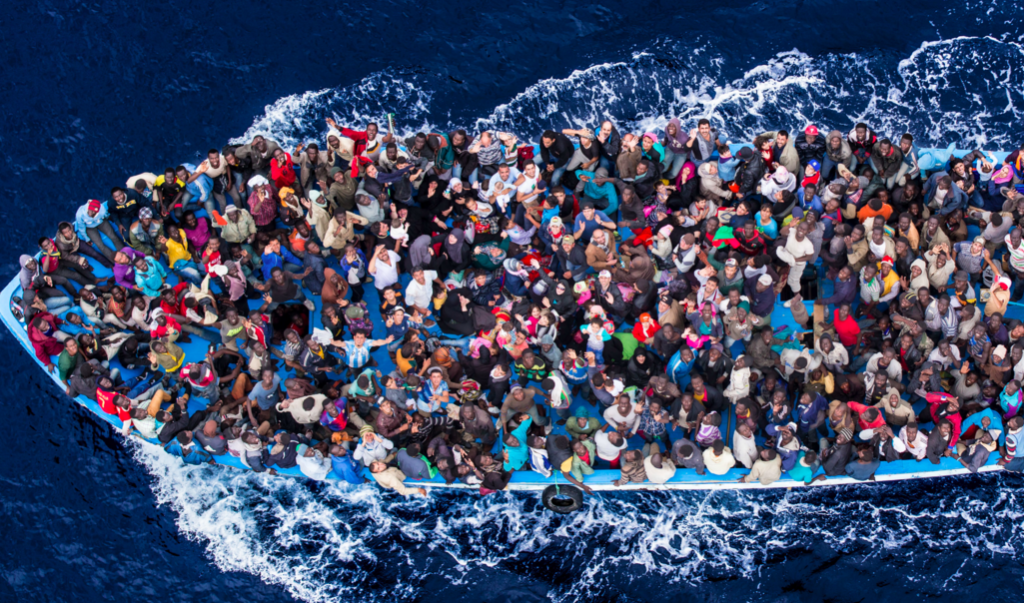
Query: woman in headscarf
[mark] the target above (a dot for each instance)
(640, 369)
(687, 186)
(457, 250)
(421, 254)
(262, 204)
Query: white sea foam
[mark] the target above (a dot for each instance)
(333, 542)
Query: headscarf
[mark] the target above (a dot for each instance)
(692, 173)
(26, 275)
(419, 251)
(456, 250)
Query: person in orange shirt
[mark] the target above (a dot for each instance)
(875, 207)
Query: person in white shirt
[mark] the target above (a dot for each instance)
(312, 463)
(622, 417)
(372, 447)
(384, 267)
(610, 445)
(659, 469)
(797, 252)
(744, 446)
(915, 441)
(718, 459)
(420, 292)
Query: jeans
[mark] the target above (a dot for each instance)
(663, 437)
(461, 344)
(188, 270)
(87, 250)
(556, 175)
(97, 241)
(144, 385)
(58, 304)
(672, 163)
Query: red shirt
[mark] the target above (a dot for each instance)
(861, 423)
(282, 175)
(848, 330)
(106, 401)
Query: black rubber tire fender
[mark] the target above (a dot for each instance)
(562, 499)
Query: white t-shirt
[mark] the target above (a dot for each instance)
(799, 248)
(613, 418)
(420, 295)
(605, 449)
(386, 275)
(214, 172)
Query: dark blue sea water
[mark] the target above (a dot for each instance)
(93, 92)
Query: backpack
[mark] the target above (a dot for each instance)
(524, 154)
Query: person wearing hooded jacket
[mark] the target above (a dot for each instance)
(810, 146)
(711, 184)
(887, 160)
(750, 172)
(941, 194)
(781, 180)
(837, 152)
(862, 141)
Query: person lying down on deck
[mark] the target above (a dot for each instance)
(612, 306)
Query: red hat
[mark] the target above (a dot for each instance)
(95, 205)
(887, 260)
(811, 129)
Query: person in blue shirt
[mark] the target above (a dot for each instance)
(76, 322)
(149, 276)
(188, 450)
(809, 199)
(986, 420)
(863, 469)
(589, 220)
(344, 467)
(275, 256)
(516, 451)
(198, 189)
(600, 188)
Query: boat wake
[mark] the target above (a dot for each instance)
(327, 542)
(965, 90)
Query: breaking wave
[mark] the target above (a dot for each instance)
(325, 542)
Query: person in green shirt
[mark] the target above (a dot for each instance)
(69, 360)
(805, 468)
(582, 426)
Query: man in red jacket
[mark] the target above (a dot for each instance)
(46, 337)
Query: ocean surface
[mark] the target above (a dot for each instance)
(93, 92)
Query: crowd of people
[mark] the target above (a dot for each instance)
(477, 306)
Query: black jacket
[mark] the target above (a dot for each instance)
(808, 151)
(749, 174)
(560, 151)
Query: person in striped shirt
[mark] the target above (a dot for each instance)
(1013, 459)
